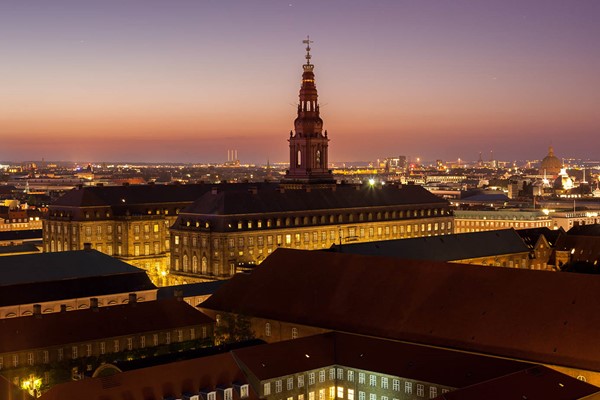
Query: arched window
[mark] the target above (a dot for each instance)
(204, 266)
(185, 263)
(318, 158)
(52, 248)
(267, 329)
(195, 264)
(59, 245)
(299, 159)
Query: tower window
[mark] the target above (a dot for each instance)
(299, 159)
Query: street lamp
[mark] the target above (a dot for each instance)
(32, 385)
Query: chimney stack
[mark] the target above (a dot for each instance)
(63, 308)
(94, 304)
(87, 246)
(132, 298)
(178, 293)
(37, 310)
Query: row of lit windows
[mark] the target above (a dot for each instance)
(316, 236)
(147, 249)
(98, 213)
(323, 219)
(99, 229)
(502, 224)
(44, 356)
(340, 392)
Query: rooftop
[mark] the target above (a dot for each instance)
(442, 304)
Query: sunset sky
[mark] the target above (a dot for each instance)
(185, 80)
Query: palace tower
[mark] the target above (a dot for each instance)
(308, 143)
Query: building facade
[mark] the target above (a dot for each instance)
(224, 231)
(477, 221)
(128, 222)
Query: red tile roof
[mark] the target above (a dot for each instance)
(531, 315)
(423, 363)
(536, 383)
(61, 328)
(158, 382)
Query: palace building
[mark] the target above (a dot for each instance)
(225, 230)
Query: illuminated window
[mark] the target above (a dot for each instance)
(408, 387)
(361, 378)
(278, 386)
(384, 382)
(350, 394)
(372, 380)
(321, 376)
(74, 352)
(396, 384)
(311, 378)
(432, 392)
(267, 329)
(361, 395)
(290, 383)
(340, 392)
(420, 390)
(301, 381)
(294, 333)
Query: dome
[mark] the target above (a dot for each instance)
(551, 165)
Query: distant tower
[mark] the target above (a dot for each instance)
(308, 144)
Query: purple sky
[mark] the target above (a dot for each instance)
(185, 80)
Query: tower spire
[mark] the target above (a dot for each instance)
(308, 144)
(307, 41)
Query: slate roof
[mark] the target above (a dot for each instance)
(27, 247)
(272, 201)
(498, 311)
(585, 230)
(60, 328)
(532, 235)
(190, 289)
(158, 382)
(26, 234)
(92, 196)
(454, 247)
(537, 382)
(33, 278)
(422, 363)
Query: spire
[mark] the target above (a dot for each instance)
(307, 41)
(308, 144)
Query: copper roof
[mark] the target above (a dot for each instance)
(35, 278)
(461, 246)
(531, 315)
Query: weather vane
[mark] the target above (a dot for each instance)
(307, 41)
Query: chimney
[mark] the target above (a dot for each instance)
(37, 310)
(63, 308)
(132, 298)
(87, 246)
(214, 190)
(94, 304)
(178, 293)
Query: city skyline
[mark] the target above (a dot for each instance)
(187, 81)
